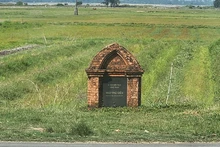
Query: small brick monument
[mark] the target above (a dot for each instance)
(114, 78)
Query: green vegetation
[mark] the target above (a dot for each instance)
(112, 3)
(216, 3)
(43, 90)
(214, 50)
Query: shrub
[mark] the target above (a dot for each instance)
(81, 129)
(49, 130)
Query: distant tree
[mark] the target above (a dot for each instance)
(113, 3)
(106, 2)
(217, 3)
(59, 4)
(79, 2)
(19, 3)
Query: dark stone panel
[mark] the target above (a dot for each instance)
(114, 91)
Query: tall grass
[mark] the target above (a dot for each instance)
(159, 58)
(214, 51)
(198, 86)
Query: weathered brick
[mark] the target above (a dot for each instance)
(114, 61)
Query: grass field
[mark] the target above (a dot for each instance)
(43, 90)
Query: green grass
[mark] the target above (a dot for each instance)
(197, 84)
(174, 123)
(43, 91)
(214, 51)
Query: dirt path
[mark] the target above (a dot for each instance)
(18, 49)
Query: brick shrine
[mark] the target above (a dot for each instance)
(114, 78)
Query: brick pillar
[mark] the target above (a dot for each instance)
(134, 92)
(93, 92)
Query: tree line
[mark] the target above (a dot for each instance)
(114, 3)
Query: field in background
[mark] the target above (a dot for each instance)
(43, 90)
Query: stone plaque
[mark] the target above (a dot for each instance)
(114, 78)
(114, 92)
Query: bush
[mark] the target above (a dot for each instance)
(81, 129)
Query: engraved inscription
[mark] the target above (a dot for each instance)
(114, 91)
